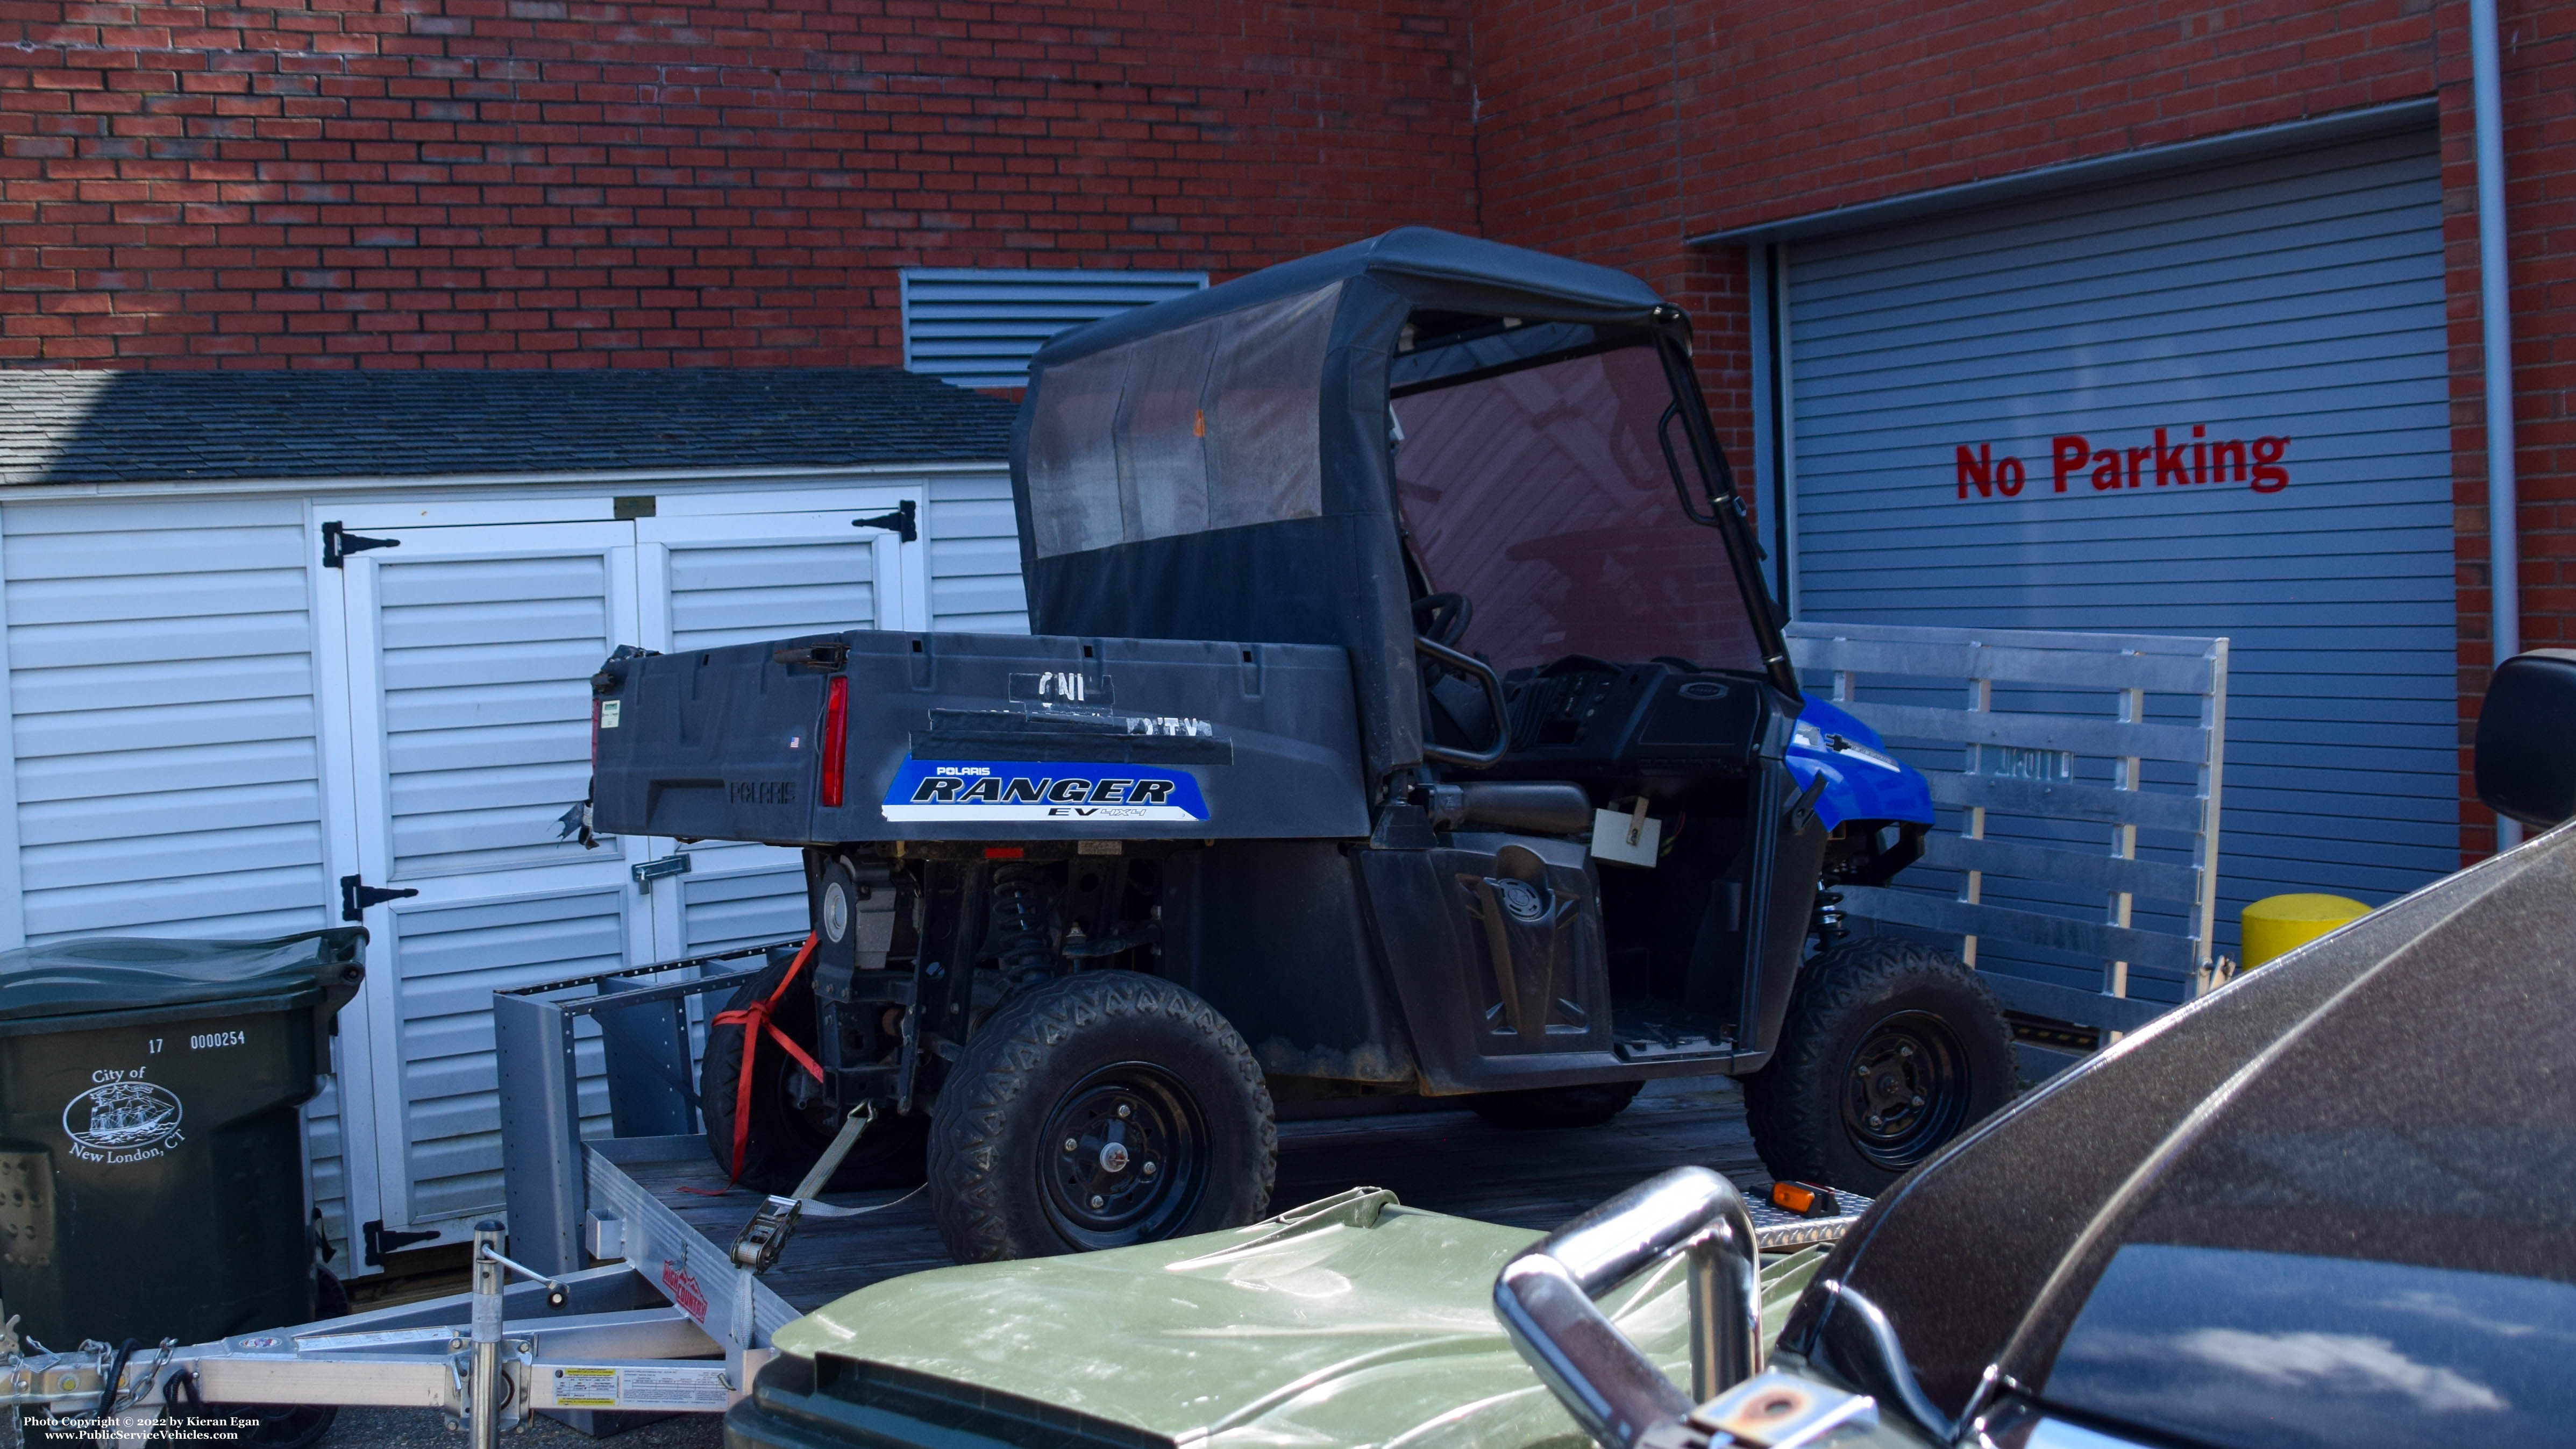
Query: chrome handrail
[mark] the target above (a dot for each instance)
(1545, 1300)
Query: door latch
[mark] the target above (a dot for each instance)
(652, 870)
(338, 544)
(904, 521)
(382, 1240)
(356, 896)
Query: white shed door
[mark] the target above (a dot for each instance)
(470, 646)
(739, 578)
(470, 651)
(2208, 404)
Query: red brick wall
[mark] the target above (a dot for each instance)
(470, 183)
(2539, 86)
(334, 183)
(1613, 132)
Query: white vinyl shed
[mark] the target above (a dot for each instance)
(269, 636)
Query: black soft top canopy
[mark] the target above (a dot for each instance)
(1430, 268)
(1218, 466)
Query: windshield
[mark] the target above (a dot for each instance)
(1542, 494)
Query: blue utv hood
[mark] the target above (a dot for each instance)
(1862, 780)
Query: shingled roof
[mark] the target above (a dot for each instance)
(160, 427)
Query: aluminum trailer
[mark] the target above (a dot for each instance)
(664, 1320)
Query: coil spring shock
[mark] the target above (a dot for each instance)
(1018, 934)
(1829, 926)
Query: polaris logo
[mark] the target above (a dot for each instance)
(761, 792)
(1019, 790)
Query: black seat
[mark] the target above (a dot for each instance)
(1528, 807)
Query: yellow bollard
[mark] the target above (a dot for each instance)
(2278, 924)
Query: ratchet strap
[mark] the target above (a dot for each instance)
(755, 1021)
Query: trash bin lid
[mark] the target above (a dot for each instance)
(136, 973)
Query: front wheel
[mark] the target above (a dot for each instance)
(1100, 1110)
(1891, 1049)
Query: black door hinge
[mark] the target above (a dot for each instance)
(382, 1240)
(337, 545)
(356, 895)
(904, 521)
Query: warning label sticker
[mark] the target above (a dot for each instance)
(672, 1388)
(641, 1388)
(586, 1388)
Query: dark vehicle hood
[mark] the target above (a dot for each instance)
(2332, 1203)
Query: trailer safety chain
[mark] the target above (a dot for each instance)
(84, 1381)
(115, 1396)
(755, 1023)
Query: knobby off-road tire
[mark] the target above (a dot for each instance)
(1166, 1112)
(786, 1140)
(1539, 1107)
(1891, 1049)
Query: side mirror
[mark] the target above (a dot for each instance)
(2526, 750)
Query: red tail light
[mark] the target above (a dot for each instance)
(836, 737)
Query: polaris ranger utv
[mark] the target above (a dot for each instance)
(1404, 715)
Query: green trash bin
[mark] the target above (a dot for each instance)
(151, 1161)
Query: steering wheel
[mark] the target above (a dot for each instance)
(1442, 618)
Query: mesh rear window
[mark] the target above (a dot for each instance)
(1208, 426)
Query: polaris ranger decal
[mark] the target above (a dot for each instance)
(1022, 790)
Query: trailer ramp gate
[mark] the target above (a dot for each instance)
(2078, 780)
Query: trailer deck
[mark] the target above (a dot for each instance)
(1449, 1161)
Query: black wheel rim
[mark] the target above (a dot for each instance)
(1124, 1157)
(815, 1121)
(811, 1119)
(1905, 1089)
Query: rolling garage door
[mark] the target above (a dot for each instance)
(2212, 403)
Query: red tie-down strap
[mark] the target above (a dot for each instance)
(755, 1022)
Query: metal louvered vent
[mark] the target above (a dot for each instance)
(979, 328)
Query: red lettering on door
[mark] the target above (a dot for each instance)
(1978, 468)
(2169, 462)
(2269, 475)
(2263, 464)
(2065, 455)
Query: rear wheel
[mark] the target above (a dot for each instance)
(789, 1123)
(1890, 1050)
(1099, 1110)
(1584, 1106)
